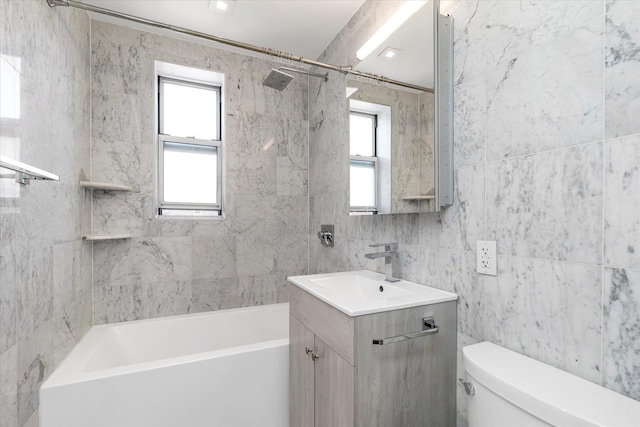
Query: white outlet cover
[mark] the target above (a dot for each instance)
(486, 257)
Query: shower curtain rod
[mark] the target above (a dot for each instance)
(263, 50)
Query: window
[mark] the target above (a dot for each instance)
(363, 163)
(190, 148)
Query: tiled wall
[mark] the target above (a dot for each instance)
(547, 148)
(181, 266)
(45, 268)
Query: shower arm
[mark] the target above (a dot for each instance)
(344, 69)
(306, 73)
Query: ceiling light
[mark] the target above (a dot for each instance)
(222, 6)
(390, 53)
(405, 12)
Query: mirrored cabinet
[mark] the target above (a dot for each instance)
(400, 136)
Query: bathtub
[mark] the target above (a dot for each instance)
(227, 368)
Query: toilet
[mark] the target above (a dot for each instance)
(507, 389)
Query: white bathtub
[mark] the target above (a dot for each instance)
(226, 368)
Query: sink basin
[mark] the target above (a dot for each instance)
(364, 292)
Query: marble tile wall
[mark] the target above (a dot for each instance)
(45, 267)
(181, 266)
(547, 147)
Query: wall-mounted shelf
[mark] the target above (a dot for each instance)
(419, 198)
(104, 186)
(103, 237)
(25, 172)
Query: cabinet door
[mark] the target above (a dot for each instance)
(409, 383)
(334, 388)
(300, 375)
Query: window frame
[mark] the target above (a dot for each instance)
(366, 159)
(163, 138)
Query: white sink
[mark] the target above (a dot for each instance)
(364, 292)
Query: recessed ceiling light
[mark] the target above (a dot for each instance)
(390, 53)
(405, 12)
(222, 6)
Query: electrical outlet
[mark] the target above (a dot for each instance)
(486, 257)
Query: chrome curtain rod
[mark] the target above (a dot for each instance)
(347, 69)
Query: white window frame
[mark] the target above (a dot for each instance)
(367, 159)
(189, 208)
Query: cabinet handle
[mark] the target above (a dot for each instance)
(315, 356)
(428, 327)
(307, 350)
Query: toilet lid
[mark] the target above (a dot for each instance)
(548, 393)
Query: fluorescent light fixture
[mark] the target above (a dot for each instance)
(405, 12)
(222, 6)
(390, 53)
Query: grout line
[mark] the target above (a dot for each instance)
(309, 236)
(93, 298)
(552, 150)
(485, 106)
(604, 171)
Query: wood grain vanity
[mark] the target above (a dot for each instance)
(339, 377)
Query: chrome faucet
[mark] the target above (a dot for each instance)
(390, 252)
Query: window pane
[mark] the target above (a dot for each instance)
(189, 111)
(363, 184)
(361, 135)
(190, 173)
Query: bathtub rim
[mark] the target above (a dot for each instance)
(71, 369)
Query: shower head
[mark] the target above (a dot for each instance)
(277, 79)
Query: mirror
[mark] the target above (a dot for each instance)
(393, 155)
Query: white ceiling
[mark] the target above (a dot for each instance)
(300, 27)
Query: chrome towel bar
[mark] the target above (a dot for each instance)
(429, 327)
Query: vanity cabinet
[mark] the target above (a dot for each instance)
(338, 377)
(323, 393)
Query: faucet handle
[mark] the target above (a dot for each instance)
(387, 246)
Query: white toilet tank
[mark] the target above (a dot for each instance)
(512, 390)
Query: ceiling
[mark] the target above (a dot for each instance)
(300, 27)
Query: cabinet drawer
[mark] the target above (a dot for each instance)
(331, 325)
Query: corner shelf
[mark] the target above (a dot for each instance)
(104, 237)
(104, 186)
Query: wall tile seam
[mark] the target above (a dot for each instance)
(460, 165)
(533, 47)
(586, 264)
(553, 150)
(428, 247)
(91, 144)
(604, 182)
(631, 269)
(310, 237)
(619, 138)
